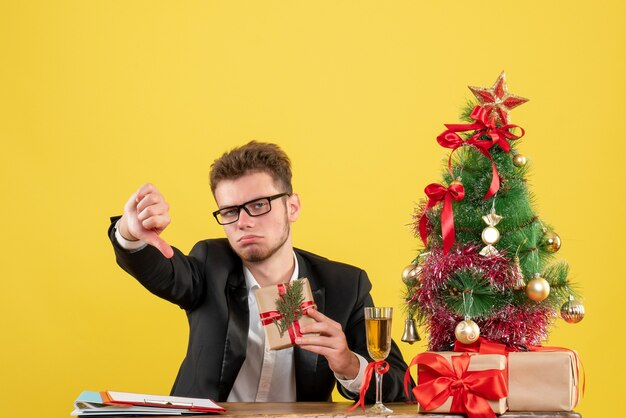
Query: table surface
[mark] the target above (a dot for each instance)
(339, 409)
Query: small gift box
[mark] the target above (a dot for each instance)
(474, 384)
(283, 311)
(543, 381)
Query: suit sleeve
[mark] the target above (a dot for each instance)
(178, 280)
(393, 389)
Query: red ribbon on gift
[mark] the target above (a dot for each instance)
(483, 126)
(469, 390)
(483, 346)
(271, 317)
(438, 193)
(378, 367)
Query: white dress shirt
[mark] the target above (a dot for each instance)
(266, 375)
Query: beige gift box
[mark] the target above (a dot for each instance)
(543, 381)
(266, 298)
(477, 362)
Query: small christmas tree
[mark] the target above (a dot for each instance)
(487, 265)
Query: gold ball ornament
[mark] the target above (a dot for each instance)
(519, 160)
(490, 235)
(572, 311)
(537, 289)
(467, 331)
(410, 274)
(551, 241)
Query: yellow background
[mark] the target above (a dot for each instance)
(97, 97)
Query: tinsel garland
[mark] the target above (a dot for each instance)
(512, 325)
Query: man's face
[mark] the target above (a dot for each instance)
(255, 239)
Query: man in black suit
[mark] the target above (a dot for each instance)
(227, 357)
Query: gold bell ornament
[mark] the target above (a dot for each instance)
(410, 334)
(572, 311)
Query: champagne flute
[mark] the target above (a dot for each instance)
(378, 334)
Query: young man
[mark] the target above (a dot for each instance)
(227, 359)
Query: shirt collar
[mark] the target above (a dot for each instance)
(251, 282)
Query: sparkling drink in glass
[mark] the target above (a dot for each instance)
(378, 335)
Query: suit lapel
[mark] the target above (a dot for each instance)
(237, 334)
(306, 361)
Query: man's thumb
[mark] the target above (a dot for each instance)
(160, 244)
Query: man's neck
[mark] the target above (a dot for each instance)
(276, 269)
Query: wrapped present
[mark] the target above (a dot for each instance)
(543, 381)
(283, 311)
(474, 384)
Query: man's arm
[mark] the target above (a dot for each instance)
(163, 270)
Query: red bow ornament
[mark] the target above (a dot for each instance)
(438, 193)
(438, 380)
(483, 126)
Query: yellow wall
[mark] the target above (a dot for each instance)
(97, 97)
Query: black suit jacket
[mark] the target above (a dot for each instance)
(209, 285)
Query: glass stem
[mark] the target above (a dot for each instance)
(379, 389)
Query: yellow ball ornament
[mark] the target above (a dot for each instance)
(467, 331)
(519, 160)
(551, 241)
(410, 274)
(537, 289)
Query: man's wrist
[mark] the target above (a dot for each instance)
(125, 243)
(353, 385)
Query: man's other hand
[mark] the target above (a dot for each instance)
(330, 343)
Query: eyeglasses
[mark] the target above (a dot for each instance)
(256, 207)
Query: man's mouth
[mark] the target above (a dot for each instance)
(248, 239)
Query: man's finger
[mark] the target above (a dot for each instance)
(131, 204)
(159, 243)
(320, 317)
(144, 190)
(156, 223)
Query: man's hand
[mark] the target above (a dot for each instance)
(330, 343)
(145, 217)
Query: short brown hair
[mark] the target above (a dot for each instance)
(254, 156)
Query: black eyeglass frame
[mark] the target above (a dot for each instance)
(243, 206)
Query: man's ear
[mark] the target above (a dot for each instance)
(293, 207)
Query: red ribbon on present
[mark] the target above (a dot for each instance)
(378, 367)
(271, 317)
(483, 126)
(438, 193)
(469, 390)
(483, 346)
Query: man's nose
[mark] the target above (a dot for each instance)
(245, 220)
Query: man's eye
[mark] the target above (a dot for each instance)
(259, 205)
(229, 213)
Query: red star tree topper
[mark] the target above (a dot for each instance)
(497, 100)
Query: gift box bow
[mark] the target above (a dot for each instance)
(470, 390)
(287, 318)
